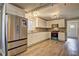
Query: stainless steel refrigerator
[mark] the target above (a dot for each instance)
(16, 34)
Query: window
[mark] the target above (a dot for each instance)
(72, 26)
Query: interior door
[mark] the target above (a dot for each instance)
(72, 29)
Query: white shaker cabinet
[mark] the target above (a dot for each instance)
(48, 24)
(49, 35)
(34, 38)
(41, 23)
(61, 36)
(62, 23)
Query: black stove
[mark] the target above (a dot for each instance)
(54, 35)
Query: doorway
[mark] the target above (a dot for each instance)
(72, 43)
(72, 28)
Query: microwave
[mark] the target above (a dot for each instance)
(55, 26)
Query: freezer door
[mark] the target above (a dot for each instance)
(23, 28)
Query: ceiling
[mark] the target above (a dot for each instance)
(50, 11)
(29, 6)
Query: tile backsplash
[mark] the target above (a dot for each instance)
(61, 29)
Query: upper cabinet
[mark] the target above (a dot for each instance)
(60, 22)
(41, 23)
(49, 23)
(11, 9)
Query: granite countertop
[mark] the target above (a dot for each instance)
(36, 32)
(61, 30)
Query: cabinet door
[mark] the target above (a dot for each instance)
(49, 34)
(48, 24)
(41, 23)
(62, 23)
(30, 39)
(61, 36)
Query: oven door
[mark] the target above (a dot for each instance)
(54, 36)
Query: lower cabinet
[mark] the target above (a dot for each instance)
(61, 36)
(37, 37)
(17, 46)
(40, 36)
(17, 50)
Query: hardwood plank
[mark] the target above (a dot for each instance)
(46, 48)
(72, 47)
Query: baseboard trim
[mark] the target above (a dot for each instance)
(38, 42)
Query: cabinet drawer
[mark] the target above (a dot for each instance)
(17, 50)
(17, 43)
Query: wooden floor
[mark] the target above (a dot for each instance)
(72, 47)
(46, 48)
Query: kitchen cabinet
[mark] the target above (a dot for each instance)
(41, 23)
(48, 24)
(37, 37)
(60, 22)
(17, 50)
(11, 9)
(48, 35)
(61, 36)
(30, 39)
